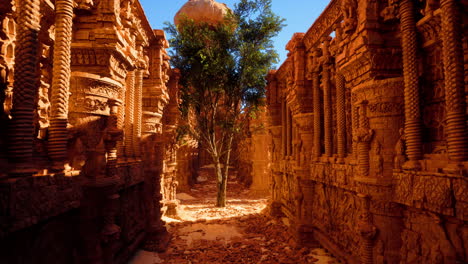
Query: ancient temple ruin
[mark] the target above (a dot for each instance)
(87, 145)
(368, 127)
(363, 144)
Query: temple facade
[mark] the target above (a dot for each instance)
(363, 143)
(87, 131)
(367, 120)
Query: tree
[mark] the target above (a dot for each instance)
(223, 68)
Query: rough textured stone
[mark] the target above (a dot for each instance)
(208, 11)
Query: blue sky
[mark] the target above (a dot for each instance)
(299, 15)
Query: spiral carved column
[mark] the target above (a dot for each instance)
(113, 135)
(25, 86)
(452, 39)
(283, 127)
(317, 114)
(367, 230)
(129, 116)
(138, 112)
(61, 83)
(363, 138)
(327, 97)
(341, 116)
(287, 129)
(410, 72)
(355, 126)
(327, 111)
(121, 122)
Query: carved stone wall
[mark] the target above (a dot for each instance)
(81, 160)
(368, 164)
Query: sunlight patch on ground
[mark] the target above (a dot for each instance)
(239, 233)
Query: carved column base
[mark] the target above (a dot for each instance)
(413, 165)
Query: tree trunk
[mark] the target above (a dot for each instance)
(222, 181)
(221, 185)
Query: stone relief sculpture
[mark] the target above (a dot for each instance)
(350, 15)
(379, 160)
(74, 113)
(400, 157)
(391, 11)
(377, 102)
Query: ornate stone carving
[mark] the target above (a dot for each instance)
(390, 12)
(61, 83)
(349, 15)
(363, 136)
(457, 139)
(400, 157)
(412, 99)
(341, 116)
(24, 90)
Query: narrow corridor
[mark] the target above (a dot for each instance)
(240, 233)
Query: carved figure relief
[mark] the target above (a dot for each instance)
(400, 157)
(390, 12)
(379, 160)
(350, 15)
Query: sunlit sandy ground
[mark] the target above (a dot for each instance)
(239, 233)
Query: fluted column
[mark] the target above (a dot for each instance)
(411, 79)
(317, 113)
(138, 112)
(61, 83)
(341, 116)
(452, 40)
(21, 131)
(129, 116)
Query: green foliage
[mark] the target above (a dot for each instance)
(223, 69)
(228, 60)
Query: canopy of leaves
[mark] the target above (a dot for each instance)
(223, 66)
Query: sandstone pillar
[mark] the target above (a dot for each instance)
(367, 230)
(61, 83)
(411, 79)
(283, 127)
(138, 112)
(341, 117)
(363, 138)
(113, 134)
(317, 109)
(452, 39)
(355, 126)
(288, 131)
(121, 122)
(129, 116)
(25, 86)
(327, 102)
